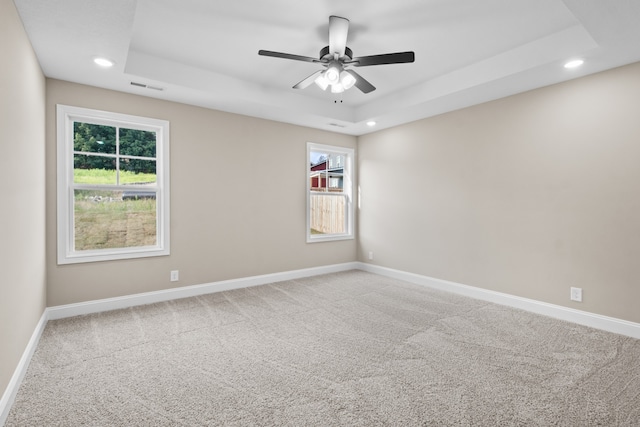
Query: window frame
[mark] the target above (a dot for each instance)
(66, 116)
(347, 187)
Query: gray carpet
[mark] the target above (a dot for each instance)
(347, 349)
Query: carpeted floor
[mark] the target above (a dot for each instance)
(347, 349)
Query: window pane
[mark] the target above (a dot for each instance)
(136, 171)
(318, 171)
(113, 219)
(326, 171)
(327, 214)
(91, 138)
(317, 158)
(135, 142)
(89, 169)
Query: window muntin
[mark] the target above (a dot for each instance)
(329, 193)
(113, 186)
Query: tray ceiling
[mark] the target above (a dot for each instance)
(206, 53)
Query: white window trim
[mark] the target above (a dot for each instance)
(66, 115)
(349, 172)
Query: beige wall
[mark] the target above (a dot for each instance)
(22, 193)
(527, 195)
(237, 200)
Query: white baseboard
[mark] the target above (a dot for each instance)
(14, 384)
(69, 310)
(609, 324)
(605, 323)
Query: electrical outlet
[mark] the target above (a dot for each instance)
(576, 294)
(175, 275)
(370, 254)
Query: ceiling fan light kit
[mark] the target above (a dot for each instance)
(337, 57)
(337, 88)
(347, 80)
(339, 80)
(332, 75)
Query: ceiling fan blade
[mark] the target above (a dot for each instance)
(338, 30)
(287, 56)
(361, 83)
(308, 81)
(386, 58)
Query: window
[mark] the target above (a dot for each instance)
(329, 193)
(113, 186)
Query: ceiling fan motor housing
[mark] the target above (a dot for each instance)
(326, 55)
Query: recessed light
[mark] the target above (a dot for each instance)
(371, 123)
(103, 62)
(574, 63)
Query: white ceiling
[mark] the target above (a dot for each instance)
(205, 52)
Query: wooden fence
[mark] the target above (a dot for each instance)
(327, 213)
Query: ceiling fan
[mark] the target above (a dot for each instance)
(337, 58)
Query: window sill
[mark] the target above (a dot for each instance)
(316, 238)
(105, 255)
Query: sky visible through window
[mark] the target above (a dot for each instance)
(315, 156)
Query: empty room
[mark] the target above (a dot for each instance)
(320, 213)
